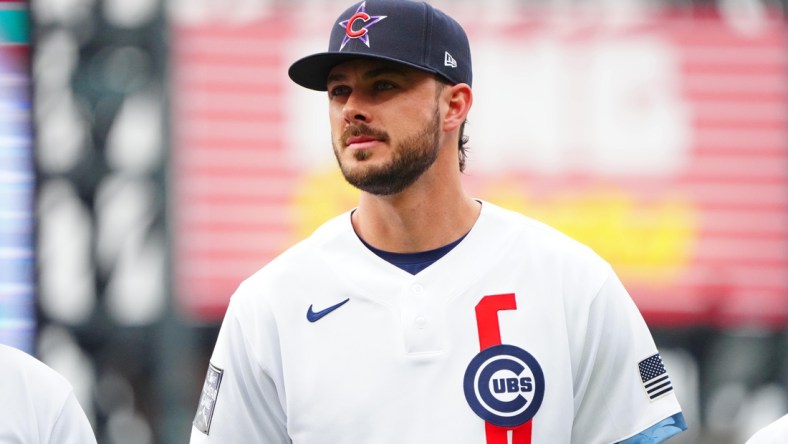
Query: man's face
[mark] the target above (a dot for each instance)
(385, 124)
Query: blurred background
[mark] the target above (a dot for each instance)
(154, 153)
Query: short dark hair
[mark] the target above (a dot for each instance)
(462, 143)
(462, 146)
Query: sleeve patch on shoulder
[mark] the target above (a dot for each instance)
(654, 377)
(210, 390)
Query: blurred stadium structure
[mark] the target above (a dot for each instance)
(172, 157)
(17, 184)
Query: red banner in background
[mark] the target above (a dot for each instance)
(663, 146)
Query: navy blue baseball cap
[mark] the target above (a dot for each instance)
(403, 31)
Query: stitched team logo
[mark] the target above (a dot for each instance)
(504, 385)
(357, 26)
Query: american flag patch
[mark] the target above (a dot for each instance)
(654, 377)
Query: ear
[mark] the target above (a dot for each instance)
(460, 101)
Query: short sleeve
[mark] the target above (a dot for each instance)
(621, 387)
(240, 401)
(72, 426)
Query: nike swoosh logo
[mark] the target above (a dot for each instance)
(314, 316)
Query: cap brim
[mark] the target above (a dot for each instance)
(312, 71)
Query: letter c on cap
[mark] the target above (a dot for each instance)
(363, 16)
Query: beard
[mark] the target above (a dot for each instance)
(409, 159)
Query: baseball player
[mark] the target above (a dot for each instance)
(425, 315)
(37, 405)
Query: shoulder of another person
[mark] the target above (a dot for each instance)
(34, 370)
(31, 378)
(774, 433)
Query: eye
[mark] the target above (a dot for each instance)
(339, 90)
(384, 85)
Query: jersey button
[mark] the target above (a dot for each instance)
(420, 321)
(417, 289)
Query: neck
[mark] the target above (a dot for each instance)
(431, 213)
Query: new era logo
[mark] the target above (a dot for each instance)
(448, 60)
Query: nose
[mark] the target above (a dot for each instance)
(356, 109)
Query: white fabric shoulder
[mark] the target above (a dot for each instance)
(305, 249)
(774, 433)
(550, 243)
(537, 230)
(37, 404)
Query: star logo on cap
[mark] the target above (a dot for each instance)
(357, 26)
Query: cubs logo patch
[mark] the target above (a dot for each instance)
(504, 385)
(210, 391)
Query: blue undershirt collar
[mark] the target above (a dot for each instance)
(413, 263)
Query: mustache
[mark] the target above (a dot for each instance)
(362, 129)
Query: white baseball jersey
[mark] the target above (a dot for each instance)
(774, 433)
(37, 405)
(519, 333)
